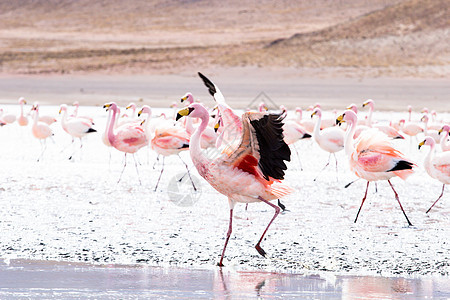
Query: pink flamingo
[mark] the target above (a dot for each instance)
(170, 140)
(75, 127)
(329, 139)
(22, 120)
(307, 124)
(445, 144)
(386, 129)
(40, 130)
(209, 136)
(75, 113)
(7, 118)
(251, 172)
(128, 138)
(437, 166)
(374, 158)
(427, 131)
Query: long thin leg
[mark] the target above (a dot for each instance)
(230, 229)
(162, 170)
(364, 199)
(335, 159)
(442, 193)
(329, 156)
(75, 151)
(398, 200)
(156, 161)
(137, 171)
(298, 156)
(350, 183)
(277, 211)
(189, 173)
(43, 147)
(124, 165)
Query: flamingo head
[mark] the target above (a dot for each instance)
(76, 103)
(316, 112)
(110, 105)
(424, 119)
(353, 108)
(22, 100)
(194, 110)
(62, 108)
(262, 107)
(131, 105)
(368, 102)
(402, 121)
(409, 108)
(444, 128)
(145, 110)
(283, 109)
(429, 141)
(424, 110)
(348, 116)
(188, 98)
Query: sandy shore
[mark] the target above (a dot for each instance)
(241, 87)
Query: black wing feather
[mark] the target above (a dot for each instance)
(272, 148)
(209, 84)
(402, 165)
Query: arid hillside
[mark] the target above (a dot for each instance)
(350, 37)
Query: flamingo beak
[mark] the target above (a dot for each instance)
(216, 127)
(107, 105)
(421, 144)
(143, 121)
(340, 120)
(128, 107)
(139, 113)
(440, 131)
(184, 99)
(313, 114)
(184, 112)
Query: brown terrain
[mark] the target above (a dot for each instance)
(377, 37)
(268, 42)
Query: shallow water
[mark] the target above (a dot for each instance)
(49, 279)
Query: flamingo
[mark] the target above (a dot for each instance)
(252, 171)
(427, 131)
(445, 144)
(437, 166)
(40, 130)
(307, 124)
(209, 135)
(329, 139)
(388, 130)
(128, 138)
(75, 127)
(170, 140)
(7, 118)
(75, 113)
(410, 128)
(22, 120)
(374, 158)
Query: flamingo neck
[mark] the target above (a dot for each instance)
(21, 109)
(409, 117)
(299, 116)
(369, 117)
(64, 118)
(428, 160)
(425, 129)
(110, 130)
(316, 132)
(195, 146)
(348, 142)
(36, 116)
(444, 143)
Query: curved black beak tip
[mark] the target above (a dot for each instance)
(178, 117)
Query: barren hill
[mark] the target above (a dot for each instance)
(409, 37)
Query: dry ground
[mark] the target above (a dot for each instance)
(344, 38)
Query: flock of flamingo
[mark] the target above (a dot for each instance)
(249, 163)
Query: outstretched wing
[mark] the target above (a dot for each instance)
(262, 150)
